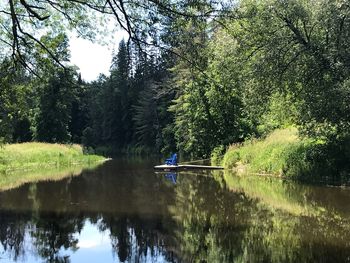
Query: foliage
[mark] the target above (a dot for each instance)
(297, 48)
(217, 155)
(194, 77)
(208, 106)
(146, 117)
(127, 111)
(55, 109)
(326, 162)
(281, 113)
(15, 89)
(288, 60)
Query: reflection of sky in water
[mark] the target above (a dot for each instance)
(94, 245)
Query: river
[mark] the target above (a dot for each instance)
(123, 211)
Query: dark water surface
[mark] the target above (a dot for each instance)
(124, 212)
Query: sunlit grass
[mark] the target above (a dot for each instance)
(267, 156)
(284, 153)
(32, 156)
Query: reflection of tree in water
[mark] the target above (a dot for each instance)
(54, 230)
(136, 214)
(120, 237)
(218, 225)
(12, 232)
(204, 232)
(53, 233)
(134, 239)
(50, 232)
(141, 225)
(197, 220)
(292, 222)
(212, 221)
(132, 206)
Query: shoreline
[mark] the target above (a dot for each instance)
(283, 154)
(33, 162)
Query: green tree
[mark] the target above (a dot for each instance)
(119, 82)
(194, 124)
(298, 48)
(147, 124)
(54, 115)
(79, 111)
(15, 103)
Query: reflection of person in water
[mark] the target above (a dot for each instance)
(171, 177)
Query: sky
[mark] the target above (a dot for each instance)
(93, 58)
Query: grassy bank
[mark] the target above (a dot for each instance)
(34, 156)
(284, 153)
(268, 155)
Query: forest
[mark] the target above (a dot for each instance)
(195, 76)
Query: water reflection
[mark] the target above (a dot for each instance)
(123, 212)
(172, 177)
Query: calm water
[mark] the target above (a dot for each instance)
(124, 212)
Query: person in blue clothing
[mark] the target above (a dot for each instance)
(172, 160)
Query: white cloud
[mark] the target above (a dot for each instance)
(93, 58)
(91, 237)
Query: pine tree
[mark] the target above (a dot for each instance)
(121, 120)
(54, 116)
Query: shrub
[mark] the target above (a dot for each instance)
(217, 155)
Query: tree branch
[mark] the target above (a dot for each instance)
(30, 10)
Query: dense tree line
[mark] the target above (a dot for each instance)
(193, 76)
(128, 109)
(125, 111)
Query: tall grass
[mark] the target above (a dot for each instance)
(31, 156)
(268, 155)
(283, 153)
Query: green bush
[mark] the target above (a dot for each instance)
(231, 159)
(327, 162)
(217, 155)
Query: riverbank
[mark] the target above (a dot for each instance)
(283, 153)
(33, 156)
